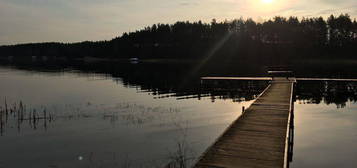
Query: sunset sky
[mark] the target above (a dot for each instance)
(23, 21)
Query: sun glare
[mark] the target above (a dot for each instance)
(267, 8)
(267, 1)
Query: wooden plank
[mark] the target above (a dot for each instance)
(326, 79)
(258, 137)
(236, 78)
(269, 79)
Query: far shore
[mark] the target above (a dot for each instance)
(326, 61)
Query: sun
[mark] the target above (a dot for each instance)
(267, 1)
(267, 8)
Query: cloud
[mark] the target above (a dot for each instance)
(186, 3)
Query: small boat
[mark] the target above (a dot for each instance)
(134, 60)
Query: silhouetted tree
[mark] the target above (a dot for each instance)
(278, 39)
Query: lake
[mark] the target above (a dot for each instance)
(154, 114)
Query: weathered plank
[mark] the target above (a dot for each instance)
(270, 78)
(258, 137)
(236, 78)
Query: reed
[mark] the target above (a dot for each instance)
(17, 113)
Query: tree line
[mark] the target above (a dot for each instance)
(279, 39)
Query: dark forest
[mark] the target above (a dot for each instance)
(241, 39)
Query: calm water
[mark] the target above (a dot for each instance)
(325, 136)
(149, 116)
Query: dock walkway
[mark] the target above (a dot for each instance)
(259, 137)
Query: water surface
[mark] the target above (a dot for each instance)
(98, 121)
(150, 115)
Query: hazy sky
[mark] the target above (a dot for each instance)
(24, 21)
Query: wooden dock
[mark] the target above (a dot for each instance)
(270, 78)
(259, 137)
